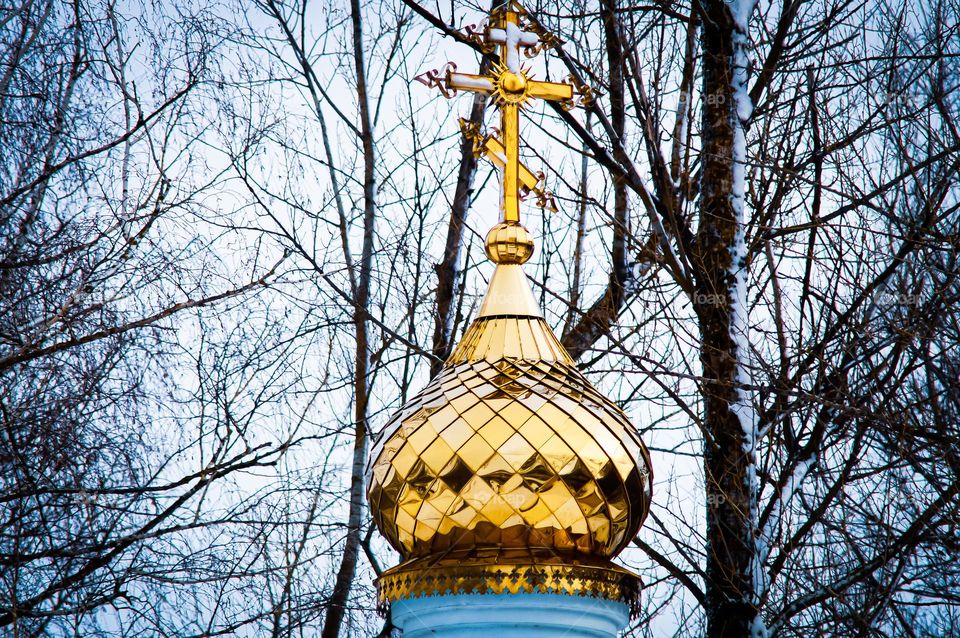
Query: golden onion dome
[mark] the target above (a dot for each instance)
(509, 455)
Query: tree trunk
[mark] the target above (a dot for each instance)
(337, 605)
(596, 322)
(448, 270)
(719, 299)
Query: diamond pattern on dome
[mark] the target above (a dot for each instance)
(509, 452)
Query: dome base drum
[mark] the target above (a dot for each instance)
(600, 580)
(509, 616)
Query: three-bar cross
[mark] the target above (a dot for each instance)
(512, 89)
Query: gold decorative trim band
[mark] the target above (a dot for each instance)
(608, 582)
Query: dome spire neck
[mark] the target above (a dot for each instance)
(509, 295)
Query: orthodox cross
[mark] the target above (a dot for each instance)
(511, 29)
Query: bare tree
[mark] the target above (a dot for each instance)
(347, 105)
(223, 269)
(769, 219)
(117, 454)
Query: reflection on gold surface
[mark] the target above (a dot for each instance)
(508, 243)
(509, 472)
(510, 446)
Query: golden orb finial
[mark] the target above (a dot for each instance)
(509, 243)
